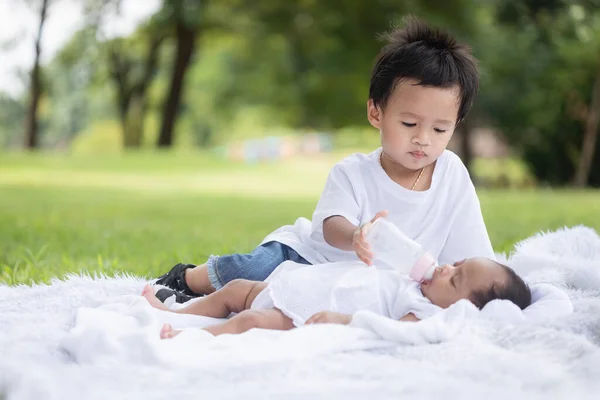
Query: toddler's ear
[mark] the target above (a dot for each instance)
(374, 114)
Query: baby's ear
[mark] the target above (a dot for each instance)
(374, 114)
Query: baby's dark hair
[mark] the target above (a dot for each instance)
(514, 289)
(428, 55)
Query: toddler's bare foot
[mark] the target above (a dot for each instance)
(148, 293)
(167, 332)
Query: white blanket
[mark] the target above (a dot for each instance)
(113, 348)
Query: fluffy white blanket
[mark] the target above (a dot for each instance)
(95, 338)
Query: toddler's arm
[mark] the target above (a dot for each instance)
(343, 234)
(338, 232)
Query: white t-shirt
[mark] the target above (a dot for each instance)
(445, 219)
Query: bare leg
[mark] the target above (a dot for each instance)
(249, 319)
(235, 297)
(197, 280)
(167, 332)
(149, 294)
(246, 320)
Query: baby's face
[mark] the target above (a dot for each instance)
(451, 283)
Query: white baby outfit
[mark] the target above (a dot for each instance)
(300, 291)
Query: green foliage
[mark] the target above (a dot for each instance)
(283, 66)
(502, 173)
(539, 66)
(102, 137)
(328, 50)
(357, 137)
(12, 115)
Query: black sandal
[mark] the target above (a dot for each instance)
(175, 279)
(164, 293)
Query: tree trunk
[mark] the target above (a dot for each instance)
(300, 68)
(590, 137)
(466, 151)
(31, 123)
(134, 123)
(186, 39)
(131, 101)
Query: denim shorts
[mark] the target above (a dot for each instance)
(255, 266)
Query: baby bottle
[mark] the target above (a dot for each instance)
(396, 250)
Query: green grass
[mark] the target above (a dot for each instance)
(142, 213)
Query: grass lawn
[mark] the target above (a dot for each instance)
(142, 213)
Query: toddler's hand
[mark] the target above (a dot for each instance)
(361, 247)
(329, 317)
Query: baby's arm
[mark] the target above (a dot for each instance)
(410, 317)
(329, 317)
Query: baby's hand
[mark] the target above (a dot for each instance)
(329, 317)
(361, 247)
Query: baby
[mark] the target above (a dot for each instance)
(298, 294)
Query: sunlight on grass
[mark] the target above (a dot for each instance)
(298, 178)
(142, 214)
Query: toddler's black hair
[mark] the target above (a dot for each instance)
(428, 55)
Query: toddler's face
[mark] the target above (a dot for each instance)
(451, 283)
(416, 123)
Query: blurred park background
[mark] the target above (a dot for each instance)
(135, 134)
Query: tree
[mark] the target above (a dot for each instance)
(590, 135)
(69, 78)
(12, 114)
(185, 16)
(35, 86)
(329, 48)
(542, 60)
(466, 133)
(132, 63)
